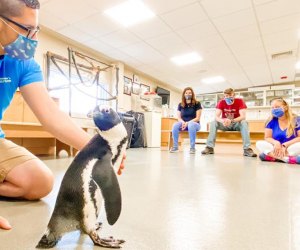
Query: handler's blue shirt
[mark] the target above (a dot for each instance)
(15, 74)
(189, 111)
(280, 135)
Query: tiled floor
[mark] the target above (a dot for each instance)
(182, 202)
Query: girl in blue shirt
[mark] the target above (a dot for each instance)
(189, 112)
(282, 135)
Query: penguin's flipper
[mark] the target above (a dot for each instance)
(105, 177)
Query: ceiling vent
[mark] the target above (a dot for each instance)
(282, 55)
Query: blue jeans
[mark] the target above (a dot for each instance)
(237, 126)
(192, 127)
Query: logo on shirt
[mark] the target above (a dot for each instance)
(5, 80)
(229, 113)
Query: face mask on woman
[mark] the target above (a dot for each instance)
(278, 112)
(188, 97)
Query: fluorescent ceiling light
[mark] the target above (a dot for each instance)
(212, 80)
(130, 13)
(298, 65)
(185, 59)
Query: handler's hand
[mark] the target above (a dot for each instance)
(122, 166)
(4, 224)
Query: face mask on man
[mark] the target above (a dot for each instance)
(229, 100)
(22, 48)
(188, 97)
(278, 112)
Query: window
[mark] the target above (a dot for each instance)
(85, 90)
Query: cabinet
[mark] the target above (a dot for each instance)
(296, 97)
(286, 94)
(207, 101)
(153, 126)
(22, 127)
(166, 125)
(253, 99)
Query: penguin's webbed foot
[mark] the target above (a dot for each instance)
(46, 242)
(105, 242)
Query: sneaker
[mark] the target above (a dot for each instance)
(294, 159)
(207, 151)
(192, 151)
(174, 150)
(249, 153)
(264, 157)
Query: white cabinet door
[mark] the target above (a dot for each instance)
(153, 129)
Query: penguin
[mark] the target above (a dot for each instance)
(89, 181)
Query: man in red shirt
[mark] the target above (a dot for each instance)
(230, 116)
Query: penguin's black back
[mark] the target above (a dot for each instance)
(70, 202)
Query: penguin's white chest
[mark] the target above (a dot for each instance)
(92, 200)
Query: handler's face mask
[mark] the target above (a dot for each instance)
(229, 100)
(188, 97)
(278, 112)
(23, 48)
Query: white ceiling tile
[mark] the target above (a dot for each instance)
(257, 72)
(103, 4)
(50, 21)
(275, 9)
(241, 34)
(254, 44)
(164, 41)
(251, 57)
(185, 16)
(142, 52)
(97, 25)
(175, 50)
(281, 24)
(42, 2)
(120, 56)
(234, 50)
(119, 38)
(218, 56)
(197, 31)
(159, 6)
(258, 2)
(217, 8)
(207, 43)
(100, 46)
(70, 11)
(74, 34)
(280, 42)
(236, 20)
(151, 28)
(283, 67)
(166, 65)
(238, 80)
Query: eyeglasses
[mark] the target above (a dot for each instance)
(30, 32)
